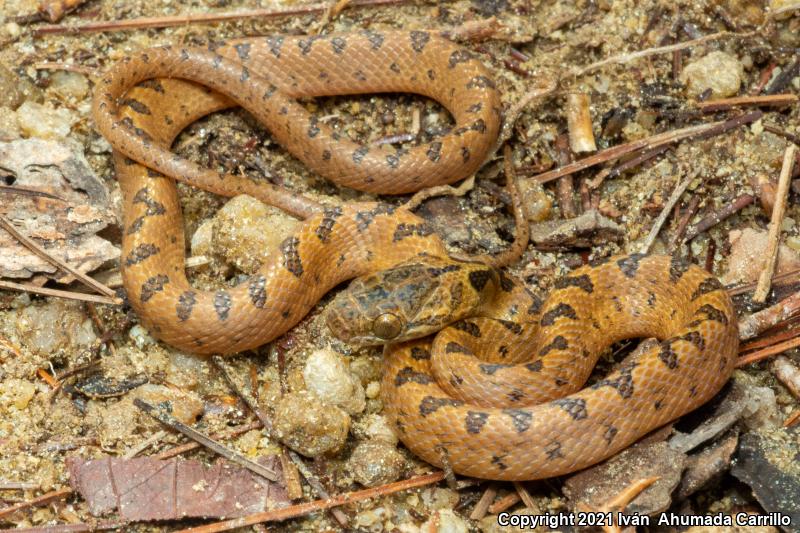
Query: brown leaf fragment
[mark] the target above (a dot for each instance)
(592, 487)
(585, 231)
(144, 488)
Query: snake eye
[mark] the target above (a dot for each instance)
(387, 326)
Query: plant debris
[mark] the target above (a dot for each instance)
(145, 489)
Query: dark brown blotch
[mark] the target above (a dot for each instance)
(140, 253)
(338, 44)
(630, 264)
(153, 285)
(520, 418)
(471, 328)
(430, 404)
(409, 375)
(558, 343)
(435, 151)
(275, 43)
(563, 309)
(257, 290)
(583, 282)
(677, 268)
(668, 356)
(329, 217)
(707, 285)
(222, 304)
(474, 421)
(243, 51)
(185, 305)
(136, 105)
(376, 39)
(291, 256)
(479, 278)
(623, 382)
(712, 313)
(553, 450)
(575, 407)
(404, 230)
(459, 56)
(419, 39)
(491, 368)
(420, 354)
(454, 347)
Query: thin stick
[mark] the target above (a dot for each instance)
(25, 287)
(771, 100)
(189, 446)
(44, 254)
(524, 495)
(715, 218)
(36, 502)
(781, 197)
(171, 422)
(767, 352)
(691, 209)
(25, 191)
(68, 528)
(791, 277)
(302, 509)
(752, 325)
(661, 139)
(483, 504)
(18, 485)
(199, 18)
(662, 217)
(504, 503)
(625, 58)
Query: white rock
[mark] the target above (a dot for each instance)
(748, 249)
(37, 120)
(69, 84)
(246, 231)
(718, 71)
(329, 379)
(378, 428)
(444, 521)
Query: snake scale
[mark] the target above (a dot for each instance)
(497, 392)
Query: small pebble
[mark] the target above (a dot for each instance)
(538, 205)
(69, 84)
(185, 406)
(310, 427)
(17, 392)
(140, 336)
(376, 427)
(718, 71)
(10, 94)
(246, 232)
(444, 521)
(55, 325)
(375, 463)
(37, 120)
(328, 378)
(373, 390)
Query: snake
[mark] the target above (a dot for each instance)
(481, 375)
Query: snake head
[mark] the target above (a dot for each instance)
(410, 300)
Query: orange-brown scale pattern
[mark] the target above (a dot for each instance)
(515, 420)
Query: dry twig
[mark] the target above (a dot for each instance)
(781, 197)
(302, 509)
(200, 18)
(662, 217)
(170, 421)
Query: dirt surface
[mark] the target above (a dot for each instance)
(530, 43)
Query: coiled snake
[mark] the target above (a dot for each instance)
(480, 415)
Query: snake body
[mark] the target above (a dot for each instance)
(468, 398)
